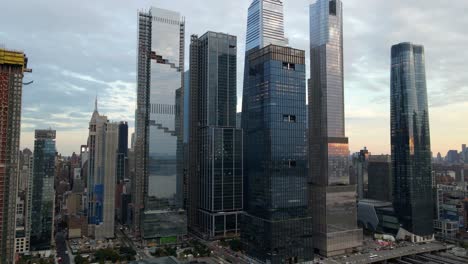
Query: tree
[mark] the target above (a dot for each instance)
(235, 245)
(80, 260)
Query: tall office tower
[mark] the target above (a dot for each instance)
(360, 163)
(333, 198)
(215, 181)
(122, 165)
(112, 132)
(276, 225)
(265, 24)
(380, 178)
(13, 65)
(410, 140)
(122, 151)
(43, 193)
(102, 159)
(157, 214)
(186, 131)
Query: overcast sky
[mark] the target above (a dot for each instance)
(80, 49)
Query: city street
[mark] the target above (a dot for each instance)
(62, 250)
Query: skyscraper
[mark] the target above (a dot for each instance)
(265, 24)
(122, 166)
(43, 193)
(276, 225)
(410, 140)
(157, 209)
(215, 180)
(360, 163)
(333, 199)
(380, 178)
(102, 166)
(122, 151)
(13, 65)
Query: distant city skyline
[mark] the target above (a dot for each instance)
(101, 60)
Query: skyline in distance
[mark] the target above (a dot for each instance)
(100, 42)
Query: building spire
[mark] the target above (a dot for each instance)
(95, 104)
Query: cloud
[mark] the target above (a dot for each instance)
(78, 49)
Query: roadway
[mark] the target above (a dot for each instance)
(382, 255)
(62, 250)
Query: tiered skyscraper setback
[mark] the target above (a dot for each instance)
(333, 198)
(157, 204)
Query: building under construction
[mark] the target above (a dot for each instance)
(13, 64)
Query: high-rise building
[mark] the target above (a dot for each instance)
(157, 207)
(43, 193)
(265, 24)
(380, 178)
(360, 163)
(102, 172)
(215, 180)
(276, 225)
(410, 140)
(122, 166)
(13, 65)
(122, 151)
(333, 198)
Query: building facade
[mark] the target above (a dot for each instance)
(160, 76)
(13, 65)
(333, 198)
(43, 193)
(215, 180)
(380, 178)
(360, 164)
(276, 225)
(265, 24)
(410, 140)
(102, 175)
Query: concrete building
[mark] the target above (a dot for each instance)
(13, 65)
(102, 175)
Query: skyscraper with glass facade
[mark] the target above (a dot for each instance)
(276, 225)
(43, 193)
(410, 140)
(265, 24)
(215, 173)
(122, 152)
(157, 210)
(332, 199)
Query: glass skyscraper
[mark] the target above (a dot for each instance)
(410, 140)
(332, 199)
(43, 193)
(215, 173)
(160, 76)
(276, 225)
(265, 24)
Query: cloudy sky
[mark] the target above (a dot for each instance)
(80, 49)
